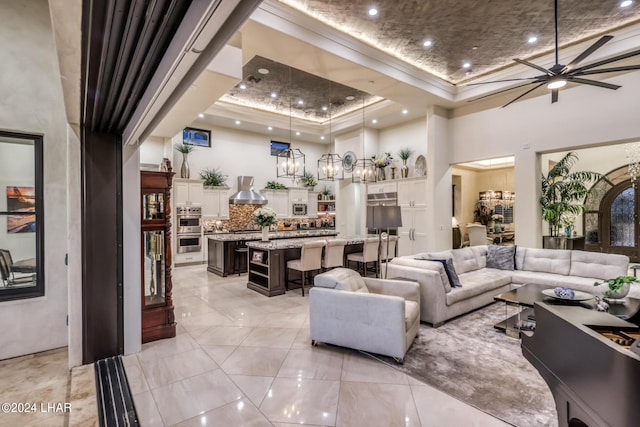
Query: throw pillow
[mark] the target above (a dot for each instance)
(444, 277)
(501, 257)
(447, 263)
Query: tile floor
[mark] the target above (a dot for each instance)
(242, 359)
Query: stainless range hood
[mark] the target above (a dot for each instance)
(245, 194)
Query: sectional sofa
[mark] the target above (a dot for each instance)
(439, 301)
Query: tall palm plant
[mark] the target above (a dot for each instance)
(563, 191)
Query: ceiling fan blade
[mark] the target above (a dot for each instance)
(507, 80)
(607, 70)
(514, 100)
(593, 83)
(554, 96)
(597, 45)
(503, 90)
(607, 61)
(537, 67)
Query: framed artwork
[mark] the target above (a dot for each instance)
(278, 147)
(349, 161)
(21, 201)
(198, 137)
(257, 256)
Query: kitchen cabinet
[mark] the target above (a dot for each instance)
(382, 187)
(312, 205)
(278, 200)
(158, 320)
(298, 196)
(413, 233)
(412, 193)
(215, 203)
(188, 191)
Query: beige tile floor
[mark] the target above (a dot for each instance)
(242, 359)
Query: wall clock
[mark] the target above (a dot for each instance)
(349, 161)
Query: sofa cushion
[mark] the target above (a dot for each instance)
(598, 265)
(342, 279)
(501, 257)
(556, 261)
(411, 313)
(468, 259)
(423, 261)
(551, 280)
(478, 282)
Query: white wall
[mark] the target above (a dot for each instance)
(32, 102)
(584, 116)
(411, 135)
(152, 151)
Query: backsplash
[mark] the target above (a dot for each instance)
(241, 218)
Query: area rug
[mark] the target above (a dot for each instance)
(470, 360)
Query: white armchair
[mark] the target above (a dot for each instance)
(374, 315)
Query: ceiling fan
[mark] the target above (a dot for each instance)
(559, 75)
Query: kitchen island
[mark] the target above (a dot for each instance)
(221, 247)
(268, 261)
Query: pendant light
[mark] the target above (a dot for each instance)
(330, 164)
(364, 170)
(290, 163)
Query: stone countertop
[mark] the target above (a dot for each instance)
(234, 237)
(297, 243)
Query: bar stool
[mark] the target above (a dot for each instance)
(240, 254)
(333, 253)
(310, 259)
(369, 254)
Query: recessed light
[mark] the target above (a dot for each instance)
(474, 48)
(466, 65)
(237, 122)
(350, 98)
(322, 138)
(405, 111)
(532, 39)
(324, 108)
(243, 86)
(273, 94)
(263, 70)
(270, 128)
(297, 133)
(201, 115)
(300, 102)
(373, 11)
(626, 3)
(427, 43)
(374, 121)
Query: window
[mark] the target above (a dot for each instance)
(21, 216)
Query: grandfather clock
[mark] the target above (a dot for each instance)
(157, 305)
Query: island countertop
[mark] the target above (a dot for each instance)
(297, 243)
(235, 237)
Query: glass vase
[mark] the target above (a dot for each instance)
(381, 176)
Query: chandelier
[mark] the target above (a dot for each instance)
(290, 162)
(330, 164)
(633, 159)
(364, 170)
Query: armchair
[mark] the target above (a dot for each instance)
(375, 315)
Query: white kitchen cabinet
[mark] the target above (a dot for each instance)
(412, 193)
(312, 205)
(382, 187)
(215, 203)
(278, 200)
(298, 196)
(187, 191)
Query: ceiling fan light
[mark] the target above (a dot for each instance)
(556, 84)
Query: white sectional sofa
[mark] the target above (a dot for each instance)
(439, 301)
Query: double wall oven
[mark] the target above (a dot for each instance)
(189, 229)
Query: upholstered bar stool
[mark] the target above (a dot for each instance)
(333, 253)
(369, 254)
(310, 260)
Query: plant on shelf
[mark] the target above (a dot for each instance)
(213, 178)
(382, 161)
(185, 149)
(563, 191)
(327, 193)
(275, 185)
(309, 180)
(618, 287)
(264, 217)
(404, 154)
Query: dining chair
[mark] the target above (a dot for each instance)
(478, 235)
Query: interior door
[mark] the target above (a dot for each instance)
(619, 228)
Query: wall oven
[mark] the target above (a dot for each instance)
(189, 219)
(189, 242)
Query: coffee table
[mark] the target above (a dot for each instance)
(527, 295)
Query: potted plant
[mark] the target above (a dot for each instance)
(618, 287)
(213, 178)
(326, 193)
(265, 217)
(380, 163)
(185, 149)
(309, 180)
(482, 213)
(275, 185)
(404, 154)
(563, 192)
